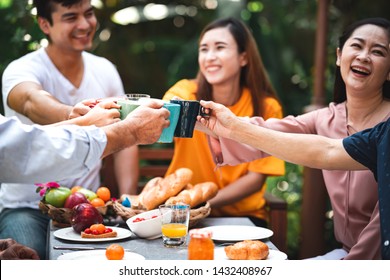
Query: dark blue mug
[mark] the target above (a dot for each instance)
(189, 110)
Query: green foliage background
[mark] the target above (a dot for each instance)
(152, 55)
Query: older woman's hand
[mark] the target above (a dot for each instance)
(220, 122)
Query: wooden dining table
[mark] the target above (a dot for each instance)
(150, 249)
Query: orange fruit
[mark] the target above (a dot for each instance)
(75, 189)
(97, 202)
(115, 252)
(99, 227)
(104, 193)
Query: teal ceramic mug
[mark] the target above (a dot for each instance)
(168, 133)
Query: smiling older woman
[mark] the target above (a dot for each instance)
(361, 100)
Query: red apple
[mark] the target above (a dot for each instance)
(83, 216)
(75, 199)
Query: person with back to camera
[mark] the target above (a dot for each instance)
(53, 84)
(230, 72)
(72, 150)
(361, 100)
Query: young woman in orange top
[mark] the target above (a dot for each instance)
(231, 72)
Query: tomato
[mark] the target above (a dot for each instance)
(57, 196)
(100, 228)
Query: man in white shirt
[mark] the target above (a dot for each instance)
(48, 86)
(43, 86)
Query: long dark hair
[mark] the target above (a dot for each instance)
(339, 90)
(253, 75)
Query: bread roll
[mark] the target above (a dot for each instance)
(195, 195)
(159, 189)
(247, 250)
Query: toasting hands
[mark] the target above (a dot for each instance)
(220, 122)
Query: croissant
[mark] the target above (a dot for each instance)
(247, 250)
(195, 195)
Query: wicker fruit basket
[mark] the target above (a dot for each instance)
(61, 216)
(196, 214)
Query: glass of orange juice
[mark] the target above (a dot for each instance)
(174, 224)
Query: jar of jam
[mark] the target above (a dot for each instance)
(200, 246)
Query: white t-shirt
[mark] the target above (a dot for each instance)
(101, 79)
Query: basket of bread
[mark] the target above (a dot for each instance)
(172, 189)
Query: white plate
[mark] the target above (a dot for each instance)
(70, 235)
(239, 233)
(219, 254)
(97, 255)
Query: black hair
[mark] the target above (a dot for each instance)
(46, 7)
(339, 90)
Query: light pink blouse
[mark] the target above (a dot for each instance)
(353, 194)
